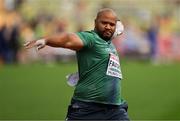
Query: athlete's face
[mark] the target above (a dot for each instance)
(105, 25)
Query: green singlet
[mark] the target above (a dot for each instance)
(99, 71)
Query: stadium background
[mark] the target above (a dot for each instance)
(33, 84)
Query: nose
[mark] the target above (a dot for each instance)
(107, 26)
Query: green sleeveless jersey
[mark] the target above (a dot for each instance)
(99, 71)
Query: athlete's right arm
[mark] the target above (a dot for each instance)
(64, 40)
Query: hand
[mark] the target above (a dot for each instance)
(39, 44)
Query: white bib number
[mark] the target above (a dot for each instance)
(113, 68)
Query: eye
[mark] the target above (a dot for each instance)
(104, 22)
(112, 24)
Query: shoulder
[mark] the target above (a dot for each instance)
(85, 33)
(87, 37)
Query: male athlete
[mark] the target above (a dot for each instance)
(97, 95)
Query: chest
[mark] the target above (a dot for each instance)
(104, 49)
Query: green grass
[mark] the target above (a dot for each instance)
(40, 92)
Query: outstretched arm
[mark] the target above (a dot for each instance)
(64, 40)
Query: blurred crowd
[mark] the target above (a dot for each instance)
(149, 34)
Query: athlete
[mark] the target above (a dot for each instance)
(97, 95)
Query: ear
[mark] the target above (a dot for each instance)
(95, 22)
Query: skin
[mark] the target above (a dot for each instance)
(104, 25)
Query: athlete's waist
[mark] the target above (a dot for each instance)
(98, 104)
(118, 101)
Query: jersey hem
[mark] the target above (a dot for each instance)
(101, 102)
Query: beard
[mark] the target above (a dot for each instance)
(106, 35)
